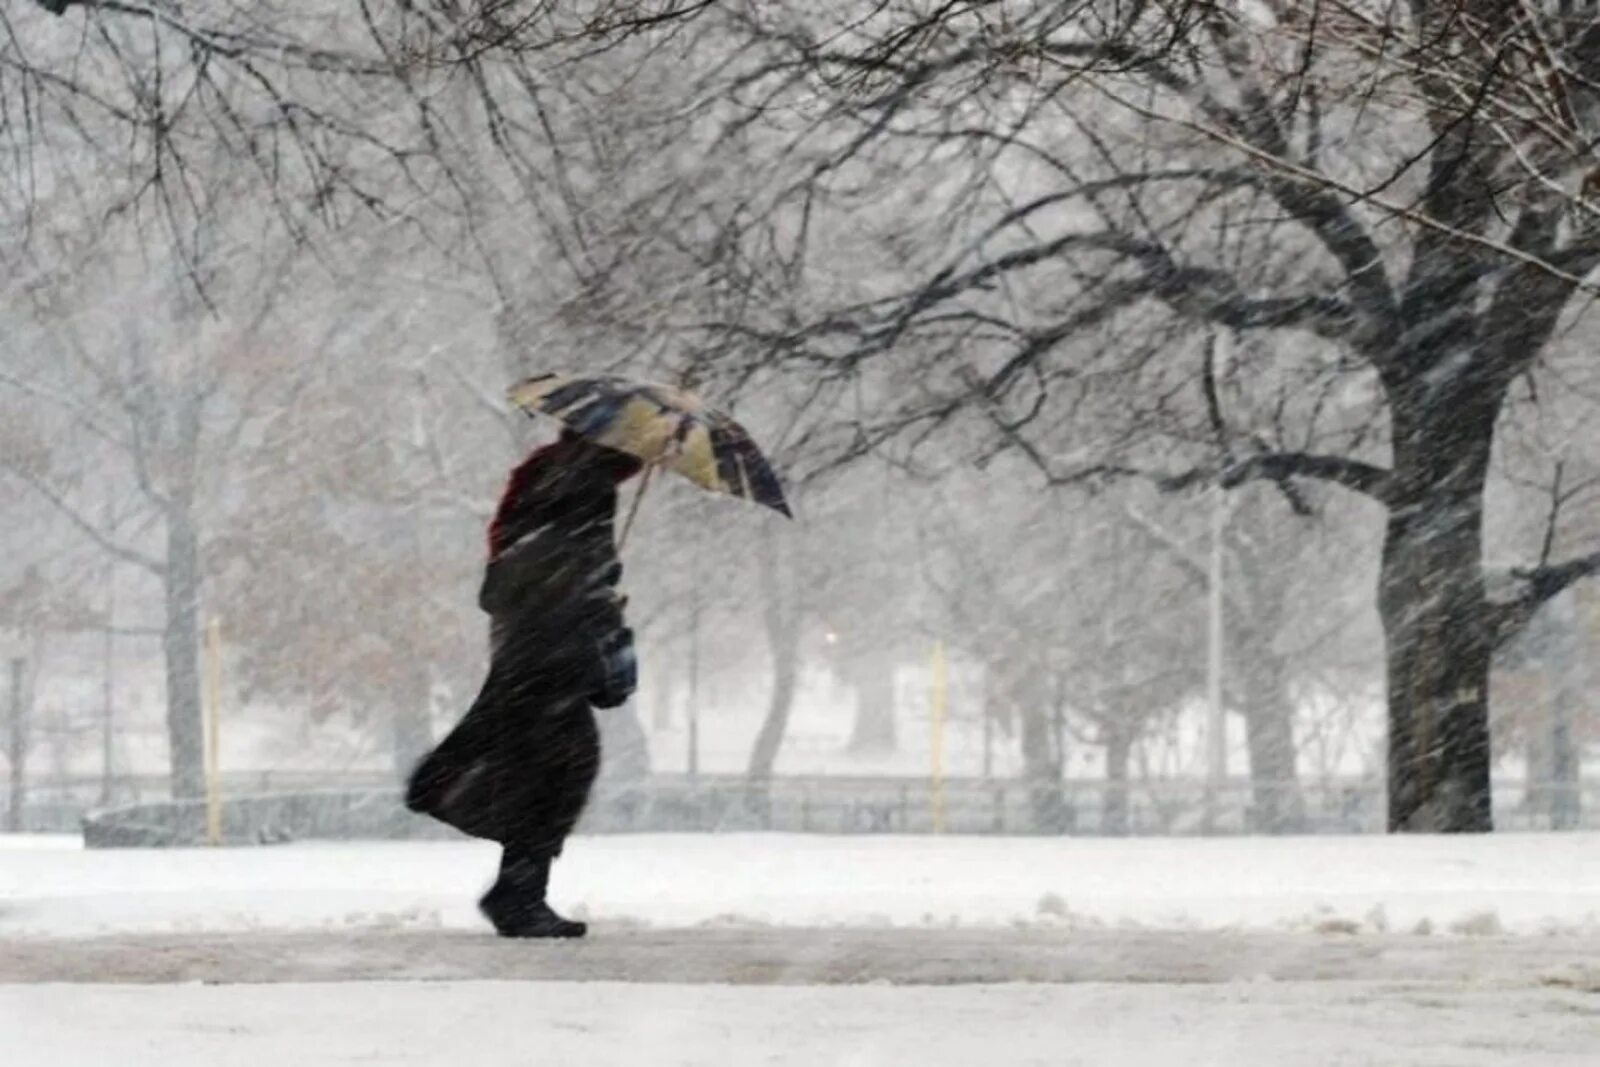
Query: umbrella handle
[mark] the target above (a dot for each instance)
(633, 509)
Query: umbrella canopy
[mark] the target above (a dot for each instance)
(662, 426)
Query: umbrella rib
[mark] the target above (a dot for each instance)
(633, 509)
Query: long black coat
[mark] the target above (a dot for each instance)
(518, 767)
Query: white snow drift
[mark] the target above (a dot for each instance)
(1467, 885)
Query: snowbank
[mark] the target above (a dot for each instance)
(1522, 884)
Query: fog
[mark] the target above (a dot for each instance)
(1186, 409)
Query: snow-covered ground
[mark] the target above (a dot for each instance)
(1233, 952)
(1521, 883)
(488, 1024)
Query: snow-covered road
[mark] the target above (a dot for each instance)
(516, 1024)
(801, 956)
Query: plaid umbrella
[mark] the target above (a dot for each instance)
(663, 426)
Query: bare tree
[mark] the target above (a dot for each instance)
(1080, 633)
(1279, 594)
(162, 400)
(1400, 192)
(782, 618)
(355, 499)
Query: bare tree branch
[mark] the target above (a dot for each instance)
(87, 528)
(1541, 585)
(1364, 478)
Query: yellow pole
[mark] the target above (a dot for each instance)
(938, 685)
(213, 701)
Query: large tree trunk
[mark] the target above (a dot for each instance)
(1041, 760)
(1566, 804)
(1269, 733)
(660, 690)
(1119, 749)
(1560, 770)
(764, 753)
(873, 680)
(783, 639)
(624, 749)
(17, 745)
(1434, 611)
(181, 644)
(1548, 661)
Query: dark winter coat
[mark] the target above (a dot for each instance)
(518, 767)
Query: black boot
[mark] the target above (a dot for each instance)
(515, 904)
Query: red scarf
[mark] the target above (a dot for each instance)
(569, 449)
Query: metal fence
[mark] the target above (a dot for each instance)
(1088, 808)
(279, 806)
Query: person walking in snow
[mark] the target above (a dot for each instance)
(518, 767)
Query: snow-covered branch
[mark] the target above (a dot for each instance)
(1352, 474)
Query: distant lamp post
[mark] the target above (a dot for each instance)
(213, 699)
(938, 696)
(16, 738)
(1216, 715)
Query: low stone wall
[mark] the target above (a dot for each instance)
(655, 805)
(254, 820)
(708, 803)
(365, 814)
(50, 817)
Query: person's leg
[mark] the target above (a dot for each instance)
(516, 904)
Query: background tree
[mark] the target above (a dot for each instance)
(165, 400)
(942, 232)
(354, 494)
(1095, 167)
